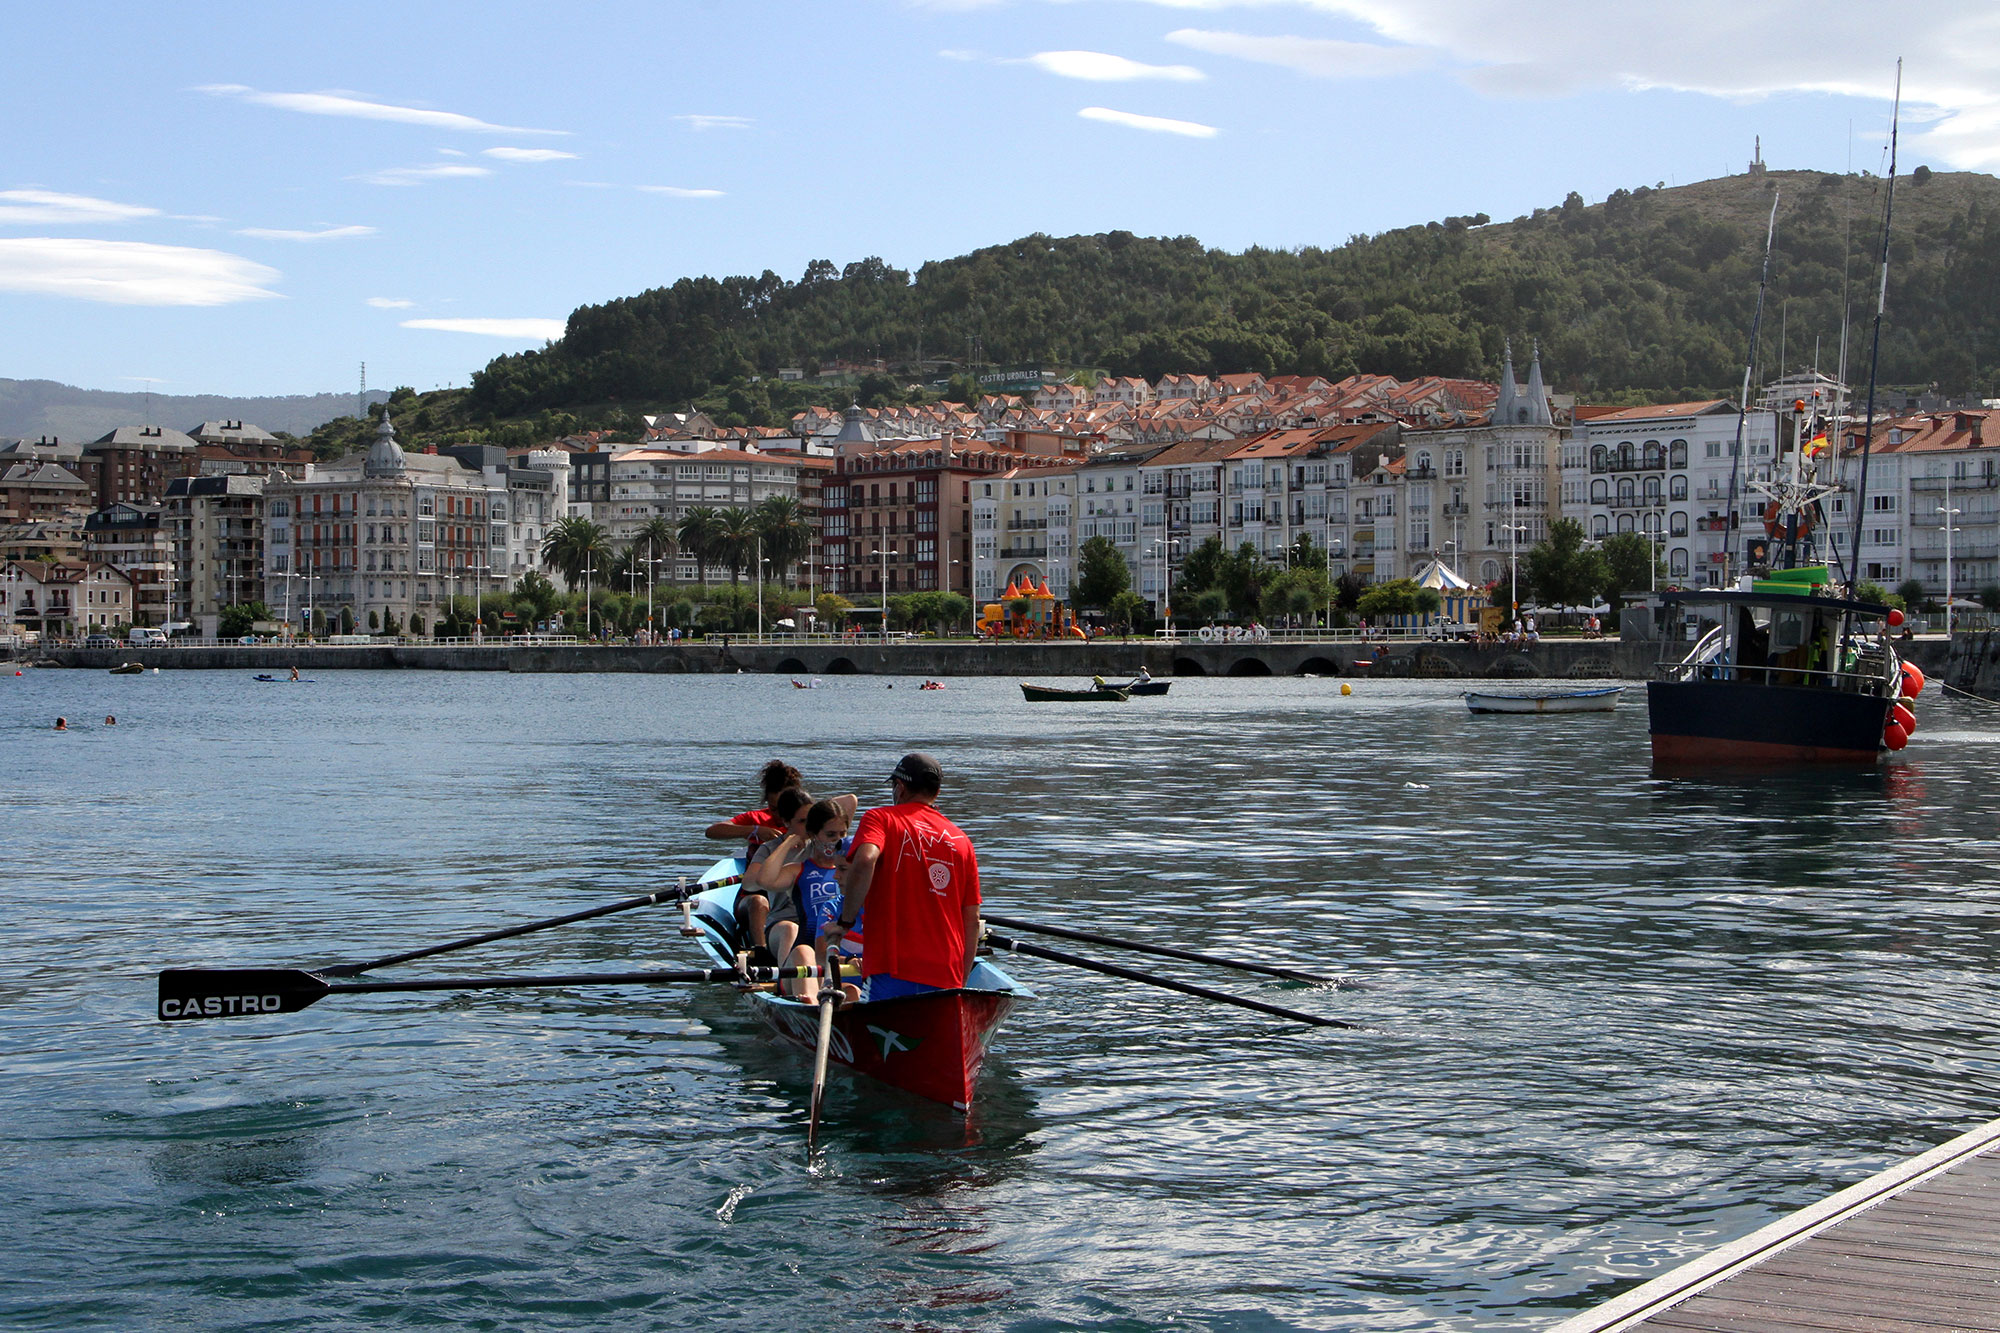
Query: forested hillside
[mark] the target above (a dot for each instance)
(1645, 296)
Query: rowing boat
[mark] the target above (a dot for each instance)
(1045, 694)
(931, 1044)
(1602, 700)
(1145, 686)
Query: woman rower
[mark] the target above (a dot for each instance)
(803, 874)
(757, 827)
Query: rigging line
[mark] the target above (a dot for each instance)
(1743, 407)
(1875, 349)
(1950, 688)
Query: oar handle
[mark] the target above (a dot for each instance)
(1113, 970)
(1159, 950)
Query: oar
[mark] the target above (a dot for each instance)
(1014, 923)
(1111, 970)
(675, 894)
(204, 992)
(829, 996)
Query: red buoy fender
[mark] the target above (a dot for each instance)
(1895, 618)
(1895, 737)
(1913, 680)
(1903, 718)
(1774, 520)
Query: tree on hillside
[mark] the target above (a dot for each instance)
(573, 544)
(1101, 574)
(1562, 569)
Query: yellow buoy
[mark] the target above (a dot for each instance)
(1345, 688)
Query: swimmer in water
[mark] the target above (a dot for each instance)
(62, 724)
(110, 721)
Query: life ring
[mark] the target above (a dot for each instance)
(1773, 516)
(1207, 634)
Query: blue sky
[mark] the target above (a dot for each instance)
(237, 198)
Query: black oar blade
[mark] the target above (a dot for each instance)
(206, 992)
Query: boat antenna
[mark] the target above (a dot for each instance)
(1749, 369)
(1875, 350)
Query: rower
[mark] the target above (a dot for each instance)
(757, 827)
(803, 874)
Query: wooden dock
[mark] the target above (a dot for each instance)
(1915, 1249)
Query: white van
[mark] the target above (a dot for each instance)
(146, 637)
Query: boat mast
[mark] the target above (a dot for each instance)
(1875, 350)
(1743, 406)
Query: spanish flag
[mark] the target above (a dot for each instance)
(1816, 445)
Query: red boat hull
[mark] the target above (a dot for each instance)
(931, 1045)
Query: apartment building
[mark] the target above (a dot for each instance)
(1024, 529)
(1930, 474)
(136, 539)
(216, 528)
(667, 481)
(63, 598)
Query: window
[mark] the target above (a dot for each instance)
(1679, 523)
(1677, 562)
(1677, 454)
(1600, 492)
(1677, 488)
(1599, 526)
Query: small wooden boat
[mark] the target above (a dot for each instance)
(931, 1044)
(1146, 686)
(1044, 694)
(1601, 700)
(128, 669)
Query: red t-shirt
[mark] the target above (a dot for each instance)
(757, 819)
(925, 878)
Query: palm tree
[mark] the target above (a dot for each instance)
(787, 534)
(657, 538)
(697, 536)
(573, 544)
(736, 540)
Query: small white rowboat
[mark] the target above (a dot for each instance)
(1601, 700)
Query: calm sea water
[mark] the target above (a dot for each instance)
(1613, 1019)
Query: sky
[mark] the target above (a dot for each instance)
(258, 198)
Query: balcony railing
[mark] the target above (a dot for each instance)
(1638, 465)
(1628, 502)
(1957, 484)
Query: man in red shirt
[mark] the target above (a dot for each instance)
(917, 875)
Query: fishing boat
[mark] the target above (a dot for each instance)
(1788, 666)
(1601, 700)
(931, 1045)
(1044, 694)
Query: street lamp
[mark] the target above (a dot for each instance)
(1514, 531)
(1166, 580)
(1945, 516)
(883, 552)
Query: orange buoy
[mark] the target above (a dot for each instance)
(1913, 680)
(1903, 718)
(1895, 618)
(1895, 737)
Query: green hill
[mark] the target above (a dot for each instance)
(1645, 296)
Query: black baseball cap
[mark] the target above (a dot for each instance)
(918, 770)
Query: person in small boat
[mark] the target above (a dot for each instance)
(295, 673)
(921, 875)
(757, 827)
(803, 875)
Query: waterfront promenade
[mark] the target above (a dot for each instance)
(1111, 658)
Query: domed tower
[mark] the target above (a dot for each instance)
(385, 456)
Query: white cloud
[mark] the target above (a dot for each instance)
(533, 330)
(700, 122)
(1156, 124)
(681, 192)
(1717, 48)
(418, 175)
(958, 55)
(360, 108)
(390, 303)
(324, 234)
(1097, 67)
(1323, 57)
(43, 207)
(528, 154)
(130, 272)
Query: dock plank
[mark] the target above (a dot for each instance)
(1914, 1249)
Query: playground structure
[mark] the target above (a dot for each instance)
(1044, 618)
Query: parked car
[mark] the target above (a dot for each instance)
(100, 641)
(146, 636)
